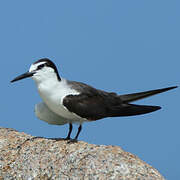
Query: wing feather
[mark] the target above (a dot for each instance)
(89, 107)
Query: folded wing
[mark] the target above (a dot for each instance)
(100, 104)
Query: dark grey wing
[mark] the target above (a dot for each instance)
(98, 107)
(94, 104)
(90, 107)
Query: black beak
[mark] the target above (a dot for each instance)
(25, 75)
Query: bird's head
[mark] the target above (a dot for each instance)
(41, 70)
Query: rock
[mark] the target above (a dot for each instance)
(25, 157)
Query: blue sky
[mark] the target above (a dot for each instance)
(120, 46)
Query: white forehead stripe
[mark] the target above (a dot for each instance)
(34, 66)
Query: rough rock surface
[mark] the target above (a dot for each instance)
(25, 157)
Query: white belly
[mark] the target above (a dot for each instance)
(53, 98)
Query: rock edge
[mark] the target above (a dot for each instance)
(26, 157)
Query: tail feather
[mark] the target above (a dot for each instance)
(132, 110)
(126, 98)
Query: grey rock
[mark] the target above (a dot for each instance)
(26, 157)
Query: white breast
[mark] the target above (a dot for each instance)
(53, 93)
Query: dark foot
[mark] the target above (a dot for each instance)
(56, 139)
(72, 141)
(67, 138)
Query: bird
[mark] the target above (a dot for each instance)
(69, 102)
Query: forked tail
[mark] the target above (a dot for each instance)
(127, 109)
(126, 98)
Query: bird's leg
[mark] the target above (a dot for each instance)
(76, 137)
(69, 133)
(79, 130)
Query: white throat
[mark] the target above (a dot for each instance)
(45, 75)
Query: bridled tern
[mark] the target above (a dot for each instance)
(71, 102)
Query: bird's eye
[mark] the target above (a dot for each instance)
(41, 66)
